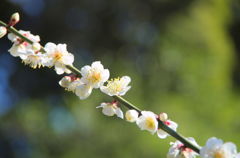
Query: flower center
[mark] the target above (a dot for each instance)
(219, 154)
(129, 117)
(150, 123)
(57, 56)
(95, 77)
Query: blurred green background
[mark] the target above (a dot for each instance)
(183, 58)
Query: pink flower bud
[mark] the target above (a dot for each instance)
(14, 19)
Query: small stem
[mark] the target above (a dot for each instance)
(74, 70)
(126, 103)
(118, 98)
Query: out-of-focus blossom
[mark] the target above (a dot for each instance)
(216, 148)
(131, 115)
(147, 121)
(94, 75)
(111, 109)
(178, 150)
(118, 86)
(59, 57)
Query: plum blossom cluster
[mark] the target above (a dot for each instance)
(27, 47)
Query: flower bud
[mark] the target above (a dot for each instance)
(163, 116)
(36, 46)
(131, 115)
(65, 81)
(14, 19)
(3, 31)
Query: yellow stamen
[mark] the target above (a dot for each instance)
(57, 56)
(219, 154)
(150, 122)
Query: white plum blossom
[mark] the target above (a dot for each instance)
(147, 121)
(216, 148)
(118, 86)
(20, 47)
(162, 134)
(35, 59)
(59, 57)
(3, 31)
(111, 109)
(94, 75)
(70, 83)
(178, 150)
(131, 115)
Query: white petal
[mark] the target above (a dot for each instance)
(238, 155)
(161, 134)
(97, 65)
(85, 70)
(214, 141)
(108, 110)
(119, 113)
(83, 91)
(68, 59)
(230, 147)
(62, 48)
(105, 75)
(124, 91)
(126, 80)
(102, 105)
(59, 69)
(50, 47)
(105, 90)
(173, 125)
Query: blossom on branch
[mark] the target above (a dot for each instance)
(178, 150)
(111, 109)
(117, 86)
(70, 82)
(20, 47)
(59, 57)
(216, 148)
(147, 121)
(94, 75)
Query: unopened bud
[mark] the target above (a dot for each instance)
(3, 31)
(65, 81)
(14, 19)
(36, 46)
(131, 115)
(163, 116)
